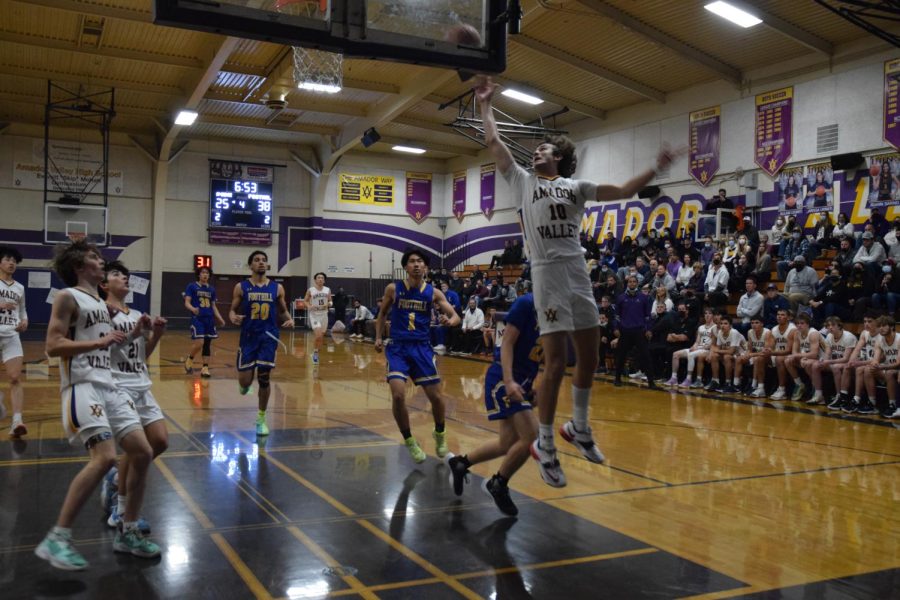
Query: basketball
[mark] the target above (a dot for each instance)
(820, 191)
(464, 35)
(874, 170)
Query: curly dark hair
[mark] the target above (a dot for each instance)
(565, 149)
(69, 258)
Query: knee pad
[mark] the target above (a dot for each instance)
(207, 344)
(262, 378)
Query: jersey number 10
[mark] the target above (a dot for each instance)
(557, 212)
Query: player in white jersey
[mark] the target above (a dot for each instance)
(13, 321)
(696, 353)
(80, 333)
(318, 301)
(859, 360)
(884, 367)
(840, 344)
(551, 205)
(757, 356)
(727, 345)
(781, 345)
(129, 371)
(809, 348)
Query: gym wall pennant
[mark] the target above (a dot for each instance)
(705, 126)
(488, 185)
(774, 125)
(418, 195)
(459, 195)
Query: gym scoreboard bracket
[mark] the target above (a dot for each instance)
(241, 203)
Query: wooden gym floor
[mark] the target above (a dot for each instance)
(700, 497)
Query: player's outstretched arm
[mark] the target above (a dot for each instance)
(237, 296)
(664, 158)
(286, 320)
(62, 315)
(448, 314)
(386, 302)
(484, 93)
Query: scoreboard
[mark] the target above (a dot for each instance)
(239, 203)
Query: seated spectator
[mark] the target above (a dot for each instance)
(688, 247)
(470, 330)
(757, 357)
(762, 270)
(781, 345)
(892, 242)
(727, 345)
(452, 298)
(800, 284)
(661, 297)
(779, 233)
(830, 298)
(845, 255)
(797, 246)
(716, 285)
(839, 345)
(696, 354)
(488, 330)
(663, 279)
(730, 253)
(742, 270)
(612, 288)
(860, 287)
(772, 304)
(809, 349)
(608, 326)
(674, 267)
(870, 254)
(823, 235)
(683, 277)
(750, 306)
(515, 254)
(358, 324)
(697, 283)
(679, 330)
(887, 293)
(706, 255)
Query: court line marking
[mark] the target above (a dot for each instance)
(245, 573)
(356, 586)
(750, 589)
(185, 496)
(365, 524)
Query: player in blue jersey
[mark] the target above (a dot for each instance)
(508, 395)
(409, 355)
(200, 300)
(258, 307)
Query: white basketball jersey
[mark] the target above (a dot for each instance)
(734, 339)
(10, 319)
(848, 340)
(550, 211)
(867, 352)
(93, 323)
(806, 344)
(889, 352)
(705, 335)
(781, 339)
(129, 368)
(318, 300)
(758, 344)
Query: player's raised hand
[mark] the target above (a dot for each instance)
(484, 88)
(159, 324)
(113, 337)
(667, 155)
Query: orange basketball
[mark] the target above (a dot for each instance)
(464, 35)
(874, 170)
(820, 191)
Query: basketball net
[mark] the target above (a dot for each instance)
(314, 70)
(76, 236)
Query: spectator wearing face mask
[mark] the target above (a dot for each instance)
(706, 254)
(797, 246)
(716, 284)
(800, 283)
(887, 293)
(779, 230)
(831, 297)
(860, 287)
(845, 255)
(871, 254)
(844, 228)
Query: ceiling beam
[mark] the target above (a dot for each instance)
(436, 147)
(785, 28)
(427, 125)
(79, 126)
(34, 72)
(260, 124)
(579, 107)
(118, 53)
(91, 8)
(298, 102)
(723, 70)
(121, 109)
(589, 67)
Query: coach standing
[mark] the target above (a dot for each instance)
(633, 308)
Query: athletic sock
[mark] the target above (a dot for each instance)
(545, 437)
(261, 414)
(753, 383)
(121, 504)
(17, 417)
(581, 398)
(737, 382)
(61, 531)
(798, 381)
(439, 427)
(406, 433)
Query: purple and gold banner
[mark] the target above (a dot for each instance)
(459, 195)
(418, 195)
(774, 118)
(704, 153)
(891, 110)
(488, 185)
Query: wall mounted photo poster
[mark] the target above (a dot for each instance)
(789, 188)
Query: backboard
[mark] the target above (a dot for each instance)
(67, 222)
(457, 34)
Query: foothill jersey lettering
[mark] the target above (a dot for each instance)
(9, 319)
(318, 299)
(260, 307)
(202, 297)
(129, 368)
(411, 312)
(551, 211)
(92, 323)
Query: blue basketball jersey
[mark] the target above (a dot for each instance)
(202, 297)
(259, 307)
(527, 353)
(411, 313)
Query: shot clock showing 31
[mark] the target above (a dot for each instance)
(244, 204)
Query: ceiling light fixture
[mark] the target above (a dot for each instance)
(733, 14)
(521, 96)
(408, 149)
(186, 117)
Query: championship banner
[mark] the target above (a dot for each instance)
(819, 188)
(372, 190)
(774, 117)
(459, 195)
(76, 166)
(884, 185)
(788, 189)
(891, 110)
(488, 184)
(418, 195)
(230, 169)
(704, 153)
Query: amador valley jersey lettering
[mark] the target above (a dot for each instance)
(93, 323)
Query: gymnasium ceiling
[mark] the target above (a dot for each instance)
(590, 56)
